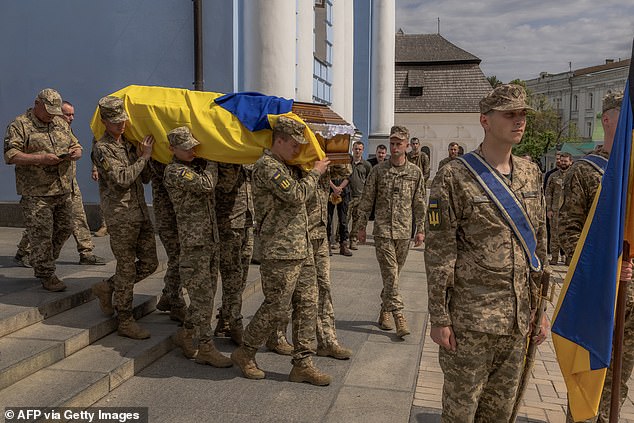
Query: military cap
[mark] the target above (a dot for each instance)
(505, 97)
(111, 109)
(612, 101)
(291, 127)
(400, 132)
(51, 100)
(182, 138)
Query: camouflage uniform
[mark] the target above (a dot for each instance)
(191, 189)
(360, 172)
(554, 199)
(121, 178)
(580, 186)
(421, 160)
(167, 228)
(479, 283)
(287, 265)
(398, 194)
(445, 161)
(234, 210)
(45, 190)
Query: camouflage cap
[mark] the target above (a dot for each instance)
(51, 100)
(400, 132)
(291, 127)
(505, 97)
(111, 109)
(612, 101)
(182, 138)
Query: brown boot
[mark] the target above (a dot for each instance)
(164, 303)
(129, 328)
(53, 284)
(305, 371)
(343, 250)
(184, 338)
(279, 345)
(178, 314)
(208, 354)
(401, 325)
(237, 331)
(353, 244)
(103, 231)
(103, 291)
(335, 351)
(385, 320)
(244, 358)
(222, 327)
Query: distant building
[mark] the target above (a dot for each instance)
(577, 95)
(437, 89)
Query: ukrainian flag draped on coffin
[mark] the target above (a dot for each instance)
(232, 130)
(583, 322)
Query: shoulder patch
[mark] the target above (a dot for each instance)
(281, 181)
(186, 174)
(104, 163)
(434, 217)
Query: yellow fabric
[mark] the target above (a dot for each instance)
(158, 110)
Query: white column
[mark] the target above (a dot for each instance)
(269, 47)
(382, 68)
(305, 48)
(338, 57)
(349, 62)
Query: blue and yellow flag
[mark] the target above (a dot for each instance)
(583, 322)
(232, 130)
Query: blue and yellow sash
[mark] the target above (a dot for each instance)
(508, 204)
(600, 163)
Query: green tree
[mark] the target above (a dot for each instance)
(494, 81)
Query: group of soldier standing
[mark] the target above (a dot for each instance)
(485, 226)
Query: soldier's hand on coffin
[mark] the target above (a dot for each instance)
(322, 165)
(146, 146)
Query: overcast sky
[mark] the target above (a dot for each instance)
(520, 39)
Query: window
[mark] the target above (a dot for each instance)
(589, 129)
(415, 91)
(574, 103)
(590, 101)
(322, 85)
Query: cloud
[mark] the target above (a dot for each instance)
(519, 39)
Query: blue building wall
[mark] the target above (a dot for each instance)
(89, 48)
(361, 73)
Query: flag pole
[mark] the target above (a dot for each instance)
(617, 347)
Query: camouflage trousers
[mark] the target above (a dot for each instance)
(555, 245)
(627, 366)
(199, 272)
(481, 377)
(353, 218)
(235, 257)
(80, 231)
(326, 332)
(391, 255)
(130, 241)
(167, 229)
(48, 222)
(286, 283)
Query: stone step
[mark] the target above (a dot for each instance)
(84, 377)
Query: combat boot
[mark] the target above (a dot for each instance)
(279, 345)
(335, 351)
(385, 320)
(343, 250)
(208, 354)
(129, 328)
(222, 327)
(184, 338)
(103, 291)
(164, 303)
(53, 284)
(103, 231)
(305, 371)
(237, 332)
(353, 244)
(244, 358)
(401, 325)
(178, 314)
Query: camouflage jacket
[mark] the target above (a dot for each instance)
(580, 186)
(360, 173)
(191, 190)
(121, 177)
(555, 191)
(28, 134)
(422, 161)
(399, 194)
(280, 197)
(234, 200)
(478, 276)
(445, 161)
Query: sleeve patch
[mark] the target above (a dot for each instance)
(186, 174)
(434, 217)
(281, 181)
(104, 163)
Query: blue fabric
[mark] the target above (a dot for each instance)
(507, 203)
(252, 109)
(586, 315)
